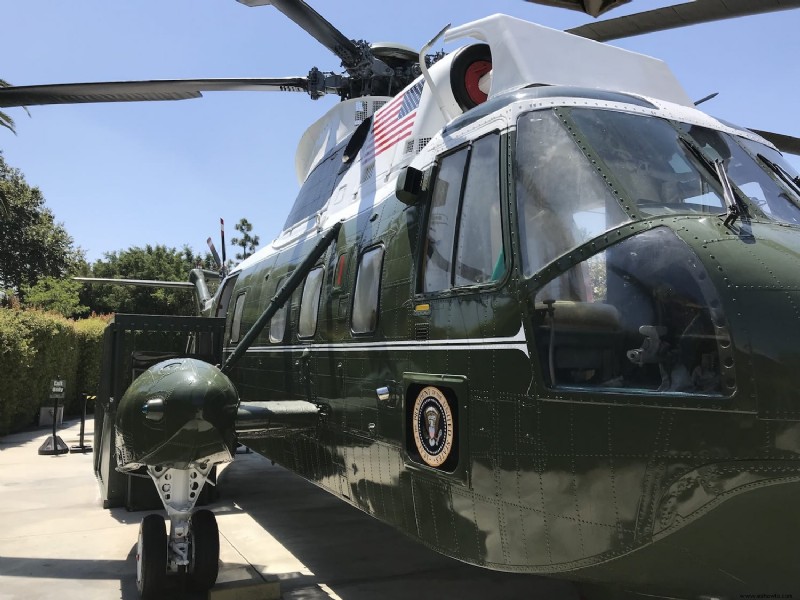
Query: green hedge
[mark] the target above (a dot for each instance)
(37, 347)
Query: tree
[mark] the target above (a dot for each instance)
(33, 244)
(247, 242)
(151, 262)
(61, 296)
(7, 122)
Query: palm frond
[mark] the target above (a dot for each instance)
(5, 120)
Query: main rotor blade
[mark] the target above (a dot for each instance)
(590, 7)
(222, 238)
(136, 282)
(317, 26)
(680, 15)
(783, 142)
(214, 253)
(140, 91)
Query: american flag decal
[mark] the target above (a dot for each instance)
(394, 121)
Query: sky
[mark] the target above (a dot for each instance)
(122, 175)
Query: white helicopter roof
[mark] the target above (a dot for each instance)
(524, 53)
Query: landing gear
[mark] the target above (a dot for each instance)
(192, 547)
(204, 544)
(151, 557)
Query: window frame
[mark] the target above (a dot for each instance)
(236, 317)
(423, 266)
(225, 294)
(502, 142)
(283, 310)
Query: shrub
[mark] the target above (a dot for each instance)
(37, 347)
(90, 340)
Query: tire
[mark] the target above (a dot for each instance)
(204, 565)
(151, 557)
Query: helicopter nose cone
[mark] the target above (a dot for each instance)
(178, 412)
(758, 278)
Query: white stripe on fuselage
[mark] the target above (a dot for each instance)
(515, 342)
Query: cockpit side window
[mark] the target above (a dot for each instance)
(438, 257)
(479, 255)
(464, 245)
(562, 202)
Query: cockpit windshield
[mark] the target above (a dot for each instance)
(668, 167)
(645, 155)
(640, 314)
(777, 194)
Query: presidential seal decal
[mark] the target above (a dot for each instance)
(433, 426)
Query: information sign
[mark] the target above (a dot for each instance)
(57, 389)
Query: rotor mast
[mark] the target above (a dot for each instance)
(367, 74)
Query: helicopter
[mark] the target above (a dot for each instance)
(531, 313)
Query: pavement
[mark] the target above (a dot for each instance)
(276, 530)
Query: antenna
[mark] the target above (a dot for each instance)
(706, 98)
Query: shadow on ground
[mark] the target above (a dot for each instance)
(353, 554)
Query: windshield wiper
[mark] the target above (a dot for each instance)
(731, 200)
(717, 168)
(785, 176)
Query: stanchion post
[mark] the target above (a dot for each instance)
(55, 414)
(81, 447)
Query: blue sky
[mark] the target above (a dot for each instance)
(121, 175)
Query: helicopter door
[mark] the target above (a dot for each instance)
(363, 414)
(463, 312)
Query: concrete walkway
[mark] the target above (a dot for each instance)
(56, 541)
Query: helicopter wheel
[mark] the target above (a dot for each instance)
(204, 565)
(151, 557)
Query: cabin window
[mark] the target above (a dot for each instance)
(341, 263)
(367, 291)
(309, 304)
(277, 324)
(236, 323)
(464, 245)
